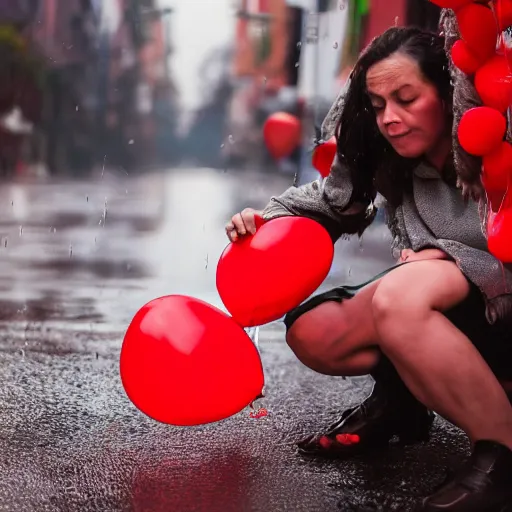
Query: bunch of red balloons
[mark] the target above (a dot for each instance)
(481, 53)
(185, 362)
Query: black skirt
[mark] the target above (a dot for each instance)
(493, 341)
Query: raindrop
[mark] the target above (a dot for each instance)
(76, 108)
(231, 139)
(105, 211)
(206, 262)
(128, 267)
(296, 64)
(12, 203)
(222, 145)
(343, 4)
(70, 251)
(396, 21)
(21, 230)
(264, 80)
(22, 353)
(131, 141)
(87, 198)
(299, 44)
(335, 45)
(5, 242)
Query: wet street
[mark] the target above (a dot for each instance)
(77, 260)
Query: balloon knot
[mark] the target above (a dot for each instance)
(260, 413)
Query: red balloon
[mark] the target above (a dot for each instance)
(282, 134)
(481, 130)
(497, 170)
(479, 30)
(262, 277)
(493, 82)
(323, 156)
(463, 58)
(499, 231)
(503, 11)
(451, 4)
(184, 362)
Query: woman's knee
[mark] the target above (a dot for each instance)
(392, 303)
(316, 337)
(418, 288)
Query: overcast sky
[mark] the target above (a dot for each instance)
(198, 27)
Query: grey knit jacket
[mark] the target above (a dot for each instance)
(433, 214)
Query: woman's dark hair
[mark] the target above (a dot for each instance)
(374, 164)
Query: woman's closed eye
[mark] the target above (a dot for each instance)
(378, 107)
(406, 101)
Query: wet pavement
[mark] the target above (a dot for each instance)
(77, 260)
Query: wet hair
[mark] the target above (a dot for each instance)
(373, 163)
(465, 96)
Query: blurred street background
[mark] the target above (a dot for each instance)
(130, 132)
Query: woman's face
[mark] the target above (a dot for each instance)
(408, 109)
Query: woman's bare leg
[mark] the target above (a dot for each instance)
(437, 361)
(338, 339)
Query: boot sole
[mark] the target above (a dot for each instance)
(347, 453)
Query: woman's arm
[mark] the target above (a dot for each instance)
(328, 201)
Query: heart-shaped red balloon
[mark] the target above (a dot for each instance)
(481, 130)
(463, 58)
(451, 4)
(185, 362)
(479, 30)
(497, 171)
(282, 134)
(499, 231)
(323, 156)
(503, 12)
(493, 82)
(262, 277)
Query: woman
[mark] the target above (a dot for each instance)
(430, 330)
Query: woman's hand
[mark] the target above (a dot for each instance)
(426, 254)
(243, 223)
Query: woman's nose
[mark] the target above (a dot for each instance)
(390, 115)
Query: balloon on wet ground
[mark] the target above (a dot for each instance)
(185, 362)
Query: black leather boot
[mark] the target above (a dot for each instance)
(390, 410)
(483, 483)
